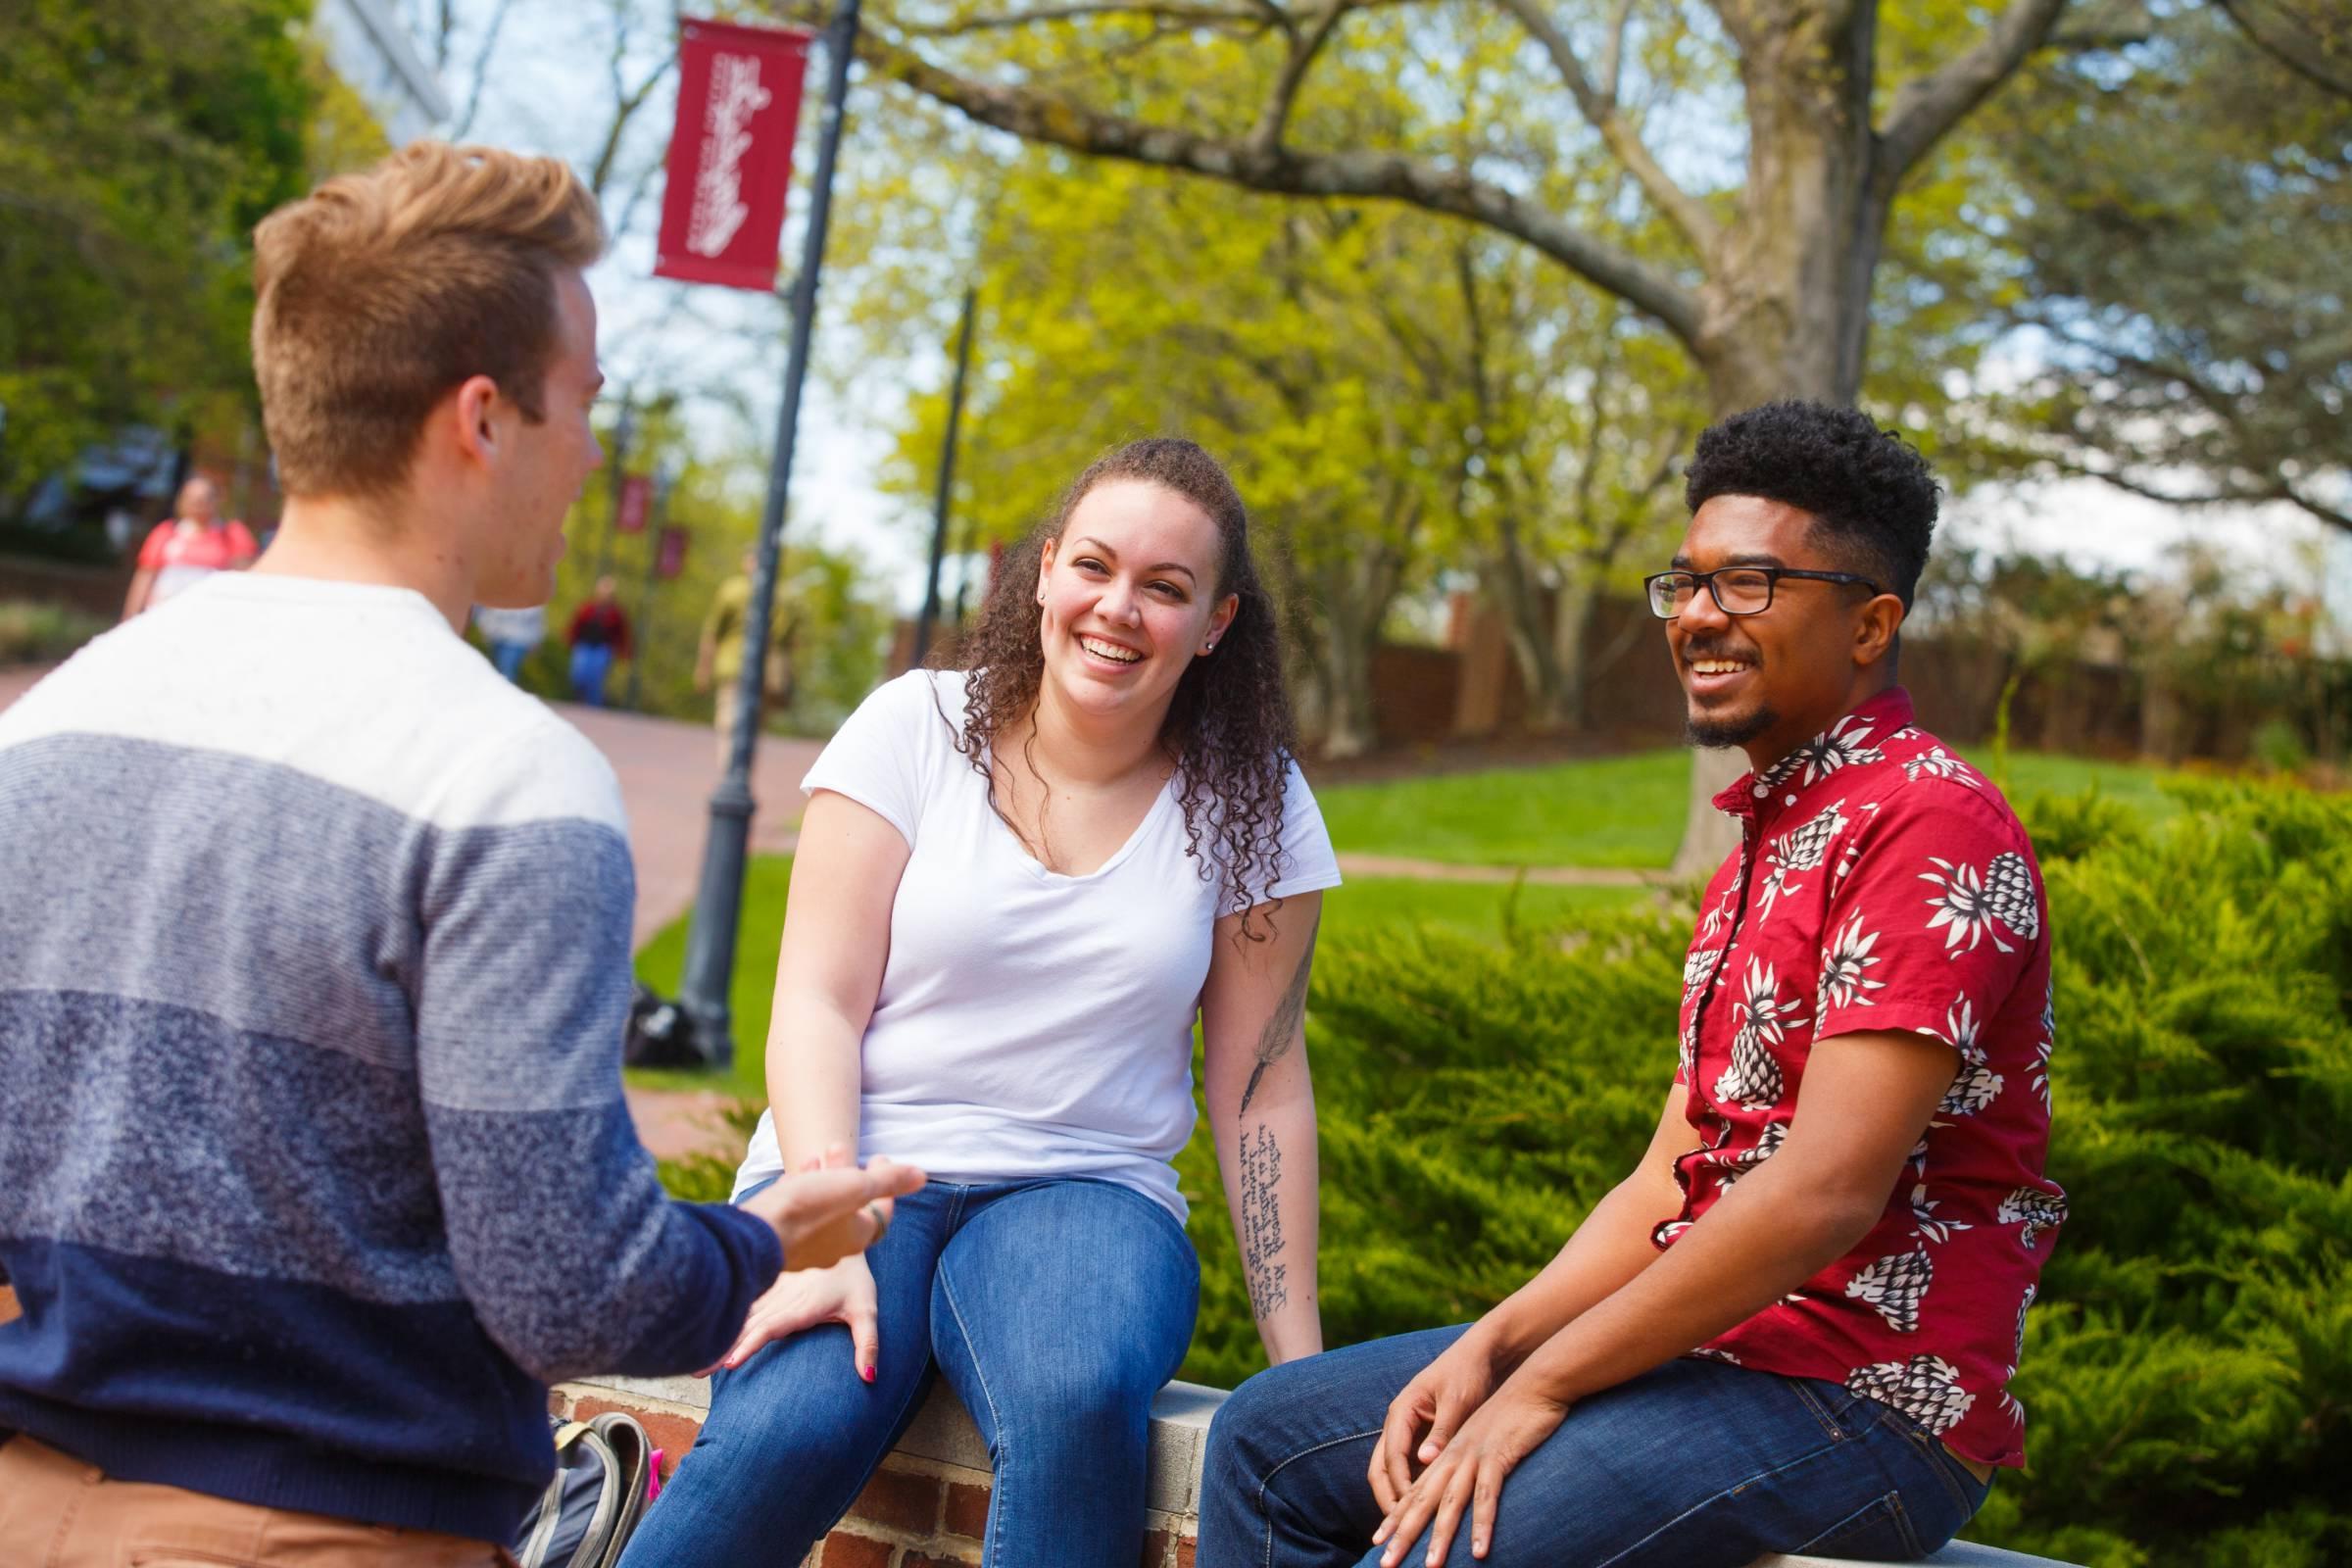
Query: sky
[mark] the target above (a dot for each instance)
(548, 90)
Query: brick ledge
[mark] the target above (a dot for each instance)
(942, 1443)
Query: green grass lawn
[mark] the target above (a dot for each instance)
(1613, 811)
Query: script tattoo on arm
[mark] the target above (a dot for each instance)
(1261, 1222)
(1274, 1041)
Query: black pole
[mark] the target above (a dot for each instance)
(947, 483)
(645, 596)
(623, 429)
(719, 901)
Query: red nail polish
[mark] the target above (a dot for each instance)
(867, 1374)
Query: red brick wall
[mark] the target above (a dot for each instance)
(915, 1513)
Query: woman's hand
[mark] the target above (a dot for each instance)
(1468, 1475)
(802, 1299)
(1446, 1393)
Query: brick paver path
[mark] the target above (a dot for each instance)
(667, 770)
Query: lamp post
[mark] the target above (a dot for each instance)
(625, 432)
(666, 479)
(710, 936)
(947, 483)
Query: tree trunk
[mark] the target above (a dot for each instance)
(1786, 313)
(1355, 595)
(1514, 585)
(1571, 622)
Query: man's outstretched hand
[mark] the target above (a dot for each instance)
(822, 1216)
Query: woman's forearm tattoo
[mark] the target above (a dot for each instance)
(1274, 1040)
(1261, 1222)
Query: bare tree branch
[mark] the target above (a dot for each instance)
(1357, 173)
(481, 68)
(1600, 109)
(626, 100)
(2294, 43)
(2258, 490)
(1170, 10)
(1267, 136)
(1929, 106)
(1612, 58)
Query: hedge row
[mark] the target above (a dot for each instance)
(2188, 1370)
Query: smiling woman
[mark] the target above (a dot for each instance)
(1180, 623)
(1017, 886)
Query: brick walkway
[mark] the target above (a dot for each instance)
(667, 770)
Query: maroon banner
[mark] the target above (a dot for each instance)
(730, 154)
(636, 504)
(671, 558)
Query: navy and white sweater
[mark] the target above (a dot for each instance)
(313, 1164)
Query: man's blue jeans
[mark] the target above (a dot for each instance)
(1055, 1309)
(1693, 1464)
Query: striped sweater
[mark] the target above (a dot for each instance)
(313, 1164)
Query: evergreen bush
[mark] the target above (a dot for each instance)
(2189, 1365)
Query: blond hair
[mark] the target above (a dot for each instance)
(379, 292)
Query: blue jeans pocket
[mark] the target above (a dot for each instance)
(1880, 1530)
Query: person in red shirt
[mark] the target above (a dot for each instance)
(599, 635)
(1793, 1327)
(189, 547)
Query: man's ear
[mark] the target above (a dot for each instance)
(477, 417)
(1875, 628)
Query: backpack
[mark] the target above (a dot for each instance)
(657, 1035)
(604, 1479)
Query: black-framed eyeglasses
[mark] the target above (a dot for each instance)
(1737, 590)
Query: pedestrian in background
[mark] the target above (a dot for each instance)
(187, 547)
(599, 635)
(720, 662)
(512, 635)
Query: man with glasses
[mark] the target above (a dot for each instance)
(1793, 1326)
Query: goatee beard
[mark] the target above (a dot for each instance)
(1719, 732)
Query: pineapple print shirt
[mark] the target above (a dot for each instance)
(1881, 883)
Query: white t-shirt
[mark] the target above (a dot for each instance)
(1029, 1023)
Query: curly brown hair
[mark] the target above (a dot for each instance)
(1228, 732)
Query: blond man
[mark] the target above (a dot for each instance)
(313, 961)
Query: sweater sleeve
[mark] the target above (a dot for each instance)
(571, 1254)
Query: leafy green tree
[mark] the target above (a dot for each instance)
(2189, 312)
(140, 143)
(1764, 143)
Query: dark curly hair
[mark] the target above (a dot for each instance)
(1228, 733)
(1869, 490)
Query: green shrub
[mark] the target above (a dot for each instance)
(2189, 1364)
(42, 634)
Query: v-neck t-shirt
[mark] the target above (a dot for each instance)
(1031, 1023)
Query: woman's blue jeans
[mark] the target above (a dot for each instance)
(1693, 1464)
(1055, 1310)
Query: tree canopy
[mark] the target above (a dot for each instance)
(140, 143)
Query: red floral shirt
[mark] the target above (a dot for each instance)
(1881, 883)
